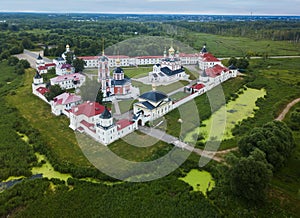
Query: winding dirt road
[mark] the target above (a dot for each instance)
(287, 109)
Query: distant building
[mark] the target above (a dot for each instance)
(43, 67)
(207, 60)
(39, 61)
(68, 81)
(116, 85)
(169, 69)
(39, 88)
(64, 69)
(125, 61)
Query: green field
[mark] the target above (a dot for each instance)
(136, 72)
(225, 46)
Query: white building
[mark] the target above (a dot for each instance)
(59, 61)
(216, 75)
(169, 69)
(96, 121)
(63, 103)
(151, 106)
(39, 88)
(207, 60)
(64, 69)
(125, 61)
(68, 81)
(116, 85)
(85, 116)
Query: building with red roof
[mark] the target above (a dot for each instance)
(88, 111)
(68, 81)
(97, 121)
(207, 60)
(63, 103)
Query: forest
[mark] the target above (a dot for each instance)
(252, 183)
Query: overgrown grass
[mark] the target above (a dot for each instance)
(225, 46)
(55, 130)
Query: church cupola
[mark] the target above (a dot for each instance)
(165, 53)
(37, 79)
(67, 48)
(106, 119)
(171, 52)
(118, 74)
(177, 53)
(203, 50)
(39, 61)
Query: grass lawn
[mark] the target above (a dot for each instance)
(136, 72)
(61, 139)
(55, 130)
(179, 95)
(126, 105)
(134, 153)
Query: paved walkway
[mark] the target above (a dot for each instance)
(117, 107)
(32, 56)
(162, 136)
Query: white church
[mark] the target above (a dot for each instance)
(169, 69)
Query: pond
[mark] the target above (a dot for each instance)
(199, 180)
(47, 169)
(236, 111)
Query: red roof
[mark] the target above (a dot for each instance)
(188, 55)
(89, 57)
(90, 126)
(198, 86)
(117, 56)
(149, 57)
(121, 124)
(87, 124)
(50, 65)
(88, 109)
(42, 68)
(66, 98)
(215, 71)
(208, 57)
(42, 90)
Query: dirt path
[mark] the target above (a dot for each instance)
(287, 109)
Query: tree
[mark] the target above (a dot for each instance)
(250, 177)
(13, 61)
(242, 63)
(232, 61)
(19, 69)
(53, 92)
(78, 64)
(69, 57)
(27, 43)
(99, 97)
(274, 138)
(25, 63)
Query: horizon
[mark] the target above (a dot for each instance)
(188, 7)
(146, 13)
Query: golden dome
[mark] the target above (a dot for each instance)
(171, 50)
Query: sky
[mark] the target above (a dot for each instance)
(257, 7)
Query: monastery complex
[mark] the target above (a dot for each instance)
(96, 120)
